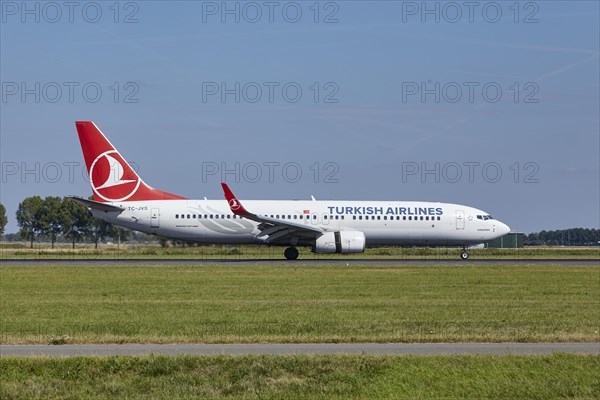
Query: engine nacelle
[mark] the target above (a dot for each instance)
(340, 242)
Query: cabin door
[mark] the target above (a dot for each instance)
(460, 219)
(154, 218)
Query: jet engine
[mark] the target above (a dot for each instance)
(340, 242)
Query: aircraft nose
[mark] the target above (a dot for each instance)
(503, 228)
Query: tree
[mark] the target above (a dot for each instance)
(99, 230)
(79, 224)
(120, 234)
(54, 217)
(29, 217)
(3, 219)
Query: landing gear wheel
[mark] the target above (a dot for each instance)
(464, 255)
(291, 253)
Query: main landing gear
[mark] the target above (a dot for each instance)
(291, 253)
(464, 255)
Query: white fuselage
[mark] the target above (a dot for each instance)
(382, 222)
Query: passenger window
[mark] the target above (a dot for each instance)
(421, 218)
(177, 216)
(410, 218)
(360, 217)
(354, 217)
(378, 217)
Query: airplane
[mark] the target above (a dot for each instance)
(122, 198)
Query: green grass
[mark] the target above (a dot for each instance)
(64, 251)
(301, 377)
(165, 304)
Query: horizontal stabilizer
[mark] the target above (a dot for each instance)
(96, 205)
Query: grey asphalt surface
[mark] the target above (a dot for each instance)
(297, 263)
(421, 349)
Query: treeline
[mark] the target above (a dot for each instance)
(56, 217)
(3, 219)
(563, 237)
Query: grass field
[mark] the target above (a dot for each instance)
(299, 377)
(298, 304)
(88, 251)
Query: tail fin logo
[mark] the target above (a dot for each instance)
(234, 204)
(112, 178)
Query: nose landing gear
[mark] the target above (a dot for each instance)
(291, 253)
(464, 255)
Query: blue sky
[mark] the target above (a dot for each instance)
(496, 107)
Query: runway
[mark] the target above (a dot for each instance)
(79, 262)
(420, 349)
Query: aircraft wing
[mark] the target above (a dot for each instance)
(271, 228)
(96, 205)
